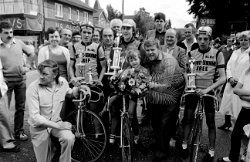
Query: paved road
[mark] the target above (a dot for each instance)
(27, 154)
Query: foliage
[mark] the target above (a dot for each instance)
(144, 21)
(223, 11)
(113, 13)
(131, 81)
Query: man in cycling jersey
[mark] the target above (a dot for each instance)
(207, 61)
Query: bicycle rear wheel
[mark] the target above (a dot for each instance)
(90, 138)
(195, 141)
(126, 140)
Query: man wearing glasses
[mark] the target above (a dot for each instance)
(189, 43)
(207, 61)
(159, 31)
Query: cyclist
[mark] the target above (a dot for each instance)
(91, 55)
(207, 61)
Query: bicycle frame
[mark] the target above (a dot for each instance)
(197, 126)
(123, 113)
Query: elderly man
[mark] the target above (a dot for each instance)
(171, 48)
(159, 31)
(66, 36)
(11, 54)
(45, 97)
(207, 61)
(116, 25)
(163, 99)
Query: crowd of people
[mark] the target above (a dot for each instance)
(221, 70)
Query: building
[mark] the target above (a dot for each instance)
(100, 19)
(31, 18)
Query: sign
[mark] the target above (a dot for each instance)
(207, 22)
(61, 24)
(17, 23)
(21, 22)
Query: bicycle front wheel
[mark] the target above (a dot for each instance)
(90, 136)
(126, 140)
(195, 141)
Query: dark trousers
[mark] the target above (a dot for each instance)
(237, 134)
(163, 121)
(19, 88)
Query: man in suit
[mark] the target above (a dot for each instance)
(171, 48)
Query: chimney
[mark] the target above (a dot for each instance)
(87, 2)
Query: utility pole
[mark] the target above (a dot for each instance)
(122, 8)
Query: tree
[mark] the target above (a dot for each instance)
(144, 21)
(225, 12)
(113, 13)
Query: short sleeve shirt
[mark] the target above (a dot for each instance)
(205, 66)
(87, 55)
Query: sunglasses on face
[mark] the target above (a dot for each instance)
(241, 40)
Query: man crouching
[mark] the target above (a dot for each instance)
(45, 97)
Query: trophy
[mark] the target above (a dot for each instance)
(191, 77)
(81, 65)
(116, 57)
(90, 76)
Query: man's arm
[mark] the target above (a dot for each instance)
(27, 50)
(219, 82)
(103, 62)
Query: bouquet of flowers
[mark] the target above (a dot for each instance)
(131, 81)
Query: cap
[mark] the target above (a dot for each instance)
(205, 30)
(129, 22)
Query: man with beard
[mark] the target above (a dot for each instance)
(164, 96)
(11, 54)
(159, 31)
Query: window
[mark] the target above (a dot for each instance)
(85, 17)
(59, 10)
(78, 15)
(69, 13)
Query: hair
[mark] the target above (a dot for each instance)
(51, 30)
(87, 26)
(192, 26)
(151, 42)
(245, 34)
(115, 22)
(5, 25)
(76, 33)
(159, 16)
(132, 54)
(50, 64)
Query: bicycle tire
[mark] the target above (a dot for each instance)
(90, 146)
(195, 141)
(126, 146)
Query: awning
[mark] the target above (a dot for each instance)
(24, 22)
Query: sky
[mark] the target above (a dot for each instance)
(175, 10)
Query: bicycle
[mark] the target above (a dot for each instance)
(196, 132)
(89, 130)
(126, 140)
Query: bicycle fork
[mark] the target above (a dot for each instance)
(79, 124)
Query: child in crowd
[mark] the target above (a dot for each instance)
(133, 61)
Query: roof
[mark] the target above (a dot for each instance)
(97, 5)
(79, 4)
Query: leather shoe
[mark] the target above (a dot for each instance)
(222, 160)
(21, 136)
(225, 126)
(208, 158)
(13, 149)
